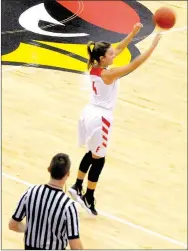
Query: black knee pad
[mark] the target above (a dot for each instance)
(86, 162)
(95, 169)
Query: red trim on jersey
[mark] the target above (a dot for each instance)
(106, 122)
(96, 71)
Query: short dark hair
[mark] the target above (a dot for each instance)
(59, 166)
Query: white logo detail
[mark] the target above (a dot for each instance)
(31, 17)
(87, 204)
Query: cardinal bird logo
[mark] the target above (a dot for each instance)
(53, 33)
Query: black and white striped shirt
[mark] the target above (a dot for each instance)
(51, 217)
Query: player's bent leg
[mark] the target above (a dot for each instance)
(76, 190)
(88, 200)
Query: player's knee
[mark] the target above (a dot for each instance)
(94, 156)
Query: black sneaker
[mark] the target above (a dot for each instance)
(75, 192)
(88, 205)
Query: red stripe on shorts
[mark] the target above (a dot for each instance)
(105, 130)
(105, 138)
(106, 122)
(104, 144)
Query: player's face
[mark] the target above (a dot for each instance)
(109, 56)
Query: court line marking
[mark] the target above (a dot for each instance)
(161, 32)
(125, 222)
(171, 30)
(11, 68)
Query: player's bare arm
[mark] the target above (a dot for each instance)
(110, 75)
(125, 42)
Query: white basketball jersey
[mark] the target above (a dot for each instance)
(103, 95)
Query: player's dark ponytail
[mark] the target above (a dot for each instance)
(91, 60)
(99, 49)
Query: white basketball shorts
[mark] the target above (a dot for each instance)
(94, 128)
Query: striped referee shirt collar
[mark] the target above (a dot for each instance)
(54, 188)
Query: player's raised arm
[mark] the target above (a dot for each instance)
(124, 43)
(110, 75)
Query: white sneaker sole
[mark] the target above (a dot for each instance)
(73, 194)
(81, 202)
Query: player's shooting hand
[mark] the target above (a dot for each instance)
(137, 28)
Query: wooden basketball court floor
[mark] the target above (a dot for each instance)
(142, 193)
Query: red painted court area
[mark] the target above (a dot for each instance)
(111, 13)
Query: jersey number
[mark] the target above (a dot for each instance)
(94, 88)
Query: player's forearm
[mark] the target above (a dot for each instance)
(124, 43)
(142, 58)
(121, 71)
(110, 75)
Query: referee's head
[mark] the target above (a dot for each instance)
(59, 166)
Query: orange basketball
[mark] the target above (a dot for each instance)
(164, 17)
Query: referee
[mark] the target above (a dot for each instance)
(51, 216)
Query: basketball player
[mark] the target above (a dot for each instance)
(95, 123)
(51, 216)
